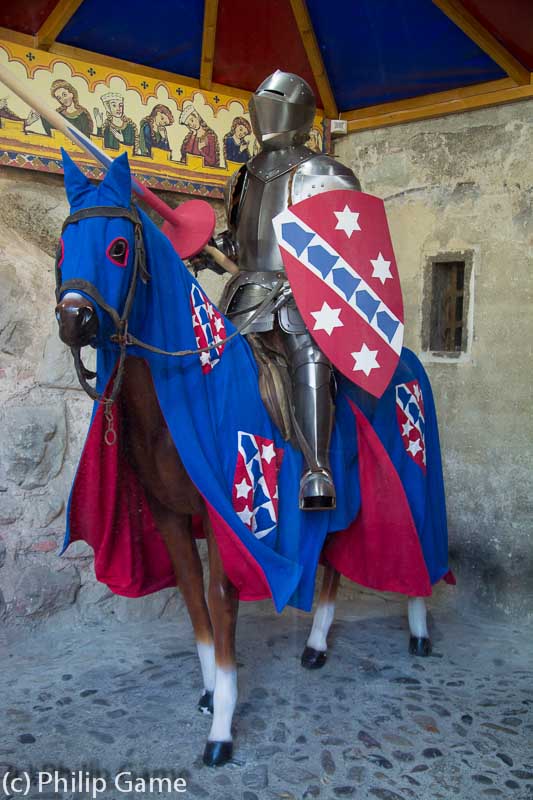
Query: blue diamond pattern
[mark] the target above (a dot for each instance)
(260, 498)
(345, 282)
(249, 447)
(388, 325)
(321, 259)
(403, 395)
(296, 236)
(263, 520)
(413, 410)
(367, 304)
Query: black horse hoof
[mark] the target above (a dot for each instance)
(216, 754)
(313, 659)
(205, 703)
(420, 646)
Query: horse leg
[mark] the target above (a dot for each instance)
(419, 642)
(223, 607)
(315, 653)
(176, 530)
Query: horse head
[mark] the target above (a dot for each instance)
(100, 256)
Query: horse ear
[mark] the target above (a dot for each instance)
(76, 184)
(116, 186)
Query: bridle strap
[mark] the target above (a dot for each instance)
(120, 321)
(102, 211)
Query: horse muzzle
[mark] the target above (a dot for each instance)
(77, 320)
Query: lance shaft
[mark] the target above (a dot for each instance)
(79, 138)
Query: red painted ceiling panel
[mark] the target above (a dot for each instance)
(26, 16)
(511, 22)
(255, 39)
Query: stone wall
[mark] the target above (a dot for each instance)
(452, 185)
(44, 418)
(461, 184)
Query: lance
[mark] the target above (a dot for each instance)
(189, 226)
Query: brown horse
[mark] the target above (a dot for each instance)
(152, 454)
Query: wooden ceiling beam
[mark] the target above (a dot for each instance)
(310, 43)
(208, 44)
(473, 28)
(481, 95)
(55, 22)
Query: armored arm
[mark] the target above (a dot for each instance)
(322, 174)
(224, 242)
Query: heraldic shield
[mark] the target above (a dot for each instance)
(337, 251)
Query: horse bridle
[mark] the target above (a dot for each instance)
(121, 336)
(120, 321)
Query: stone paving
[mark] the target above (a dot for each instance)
(373, 723)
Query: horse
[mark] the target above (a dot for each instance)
(149, 473)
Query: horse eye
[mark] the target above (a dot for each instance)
(118, 251)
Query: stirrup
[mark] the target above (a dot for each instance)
(317, 491)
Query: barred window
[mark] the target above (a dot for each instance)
(446, 299)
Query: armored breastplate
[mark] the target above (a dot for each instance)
(265, 193)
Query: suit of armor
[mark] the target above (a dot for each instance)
(284, 172)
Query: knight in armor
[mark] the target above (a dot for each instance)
(284, 172)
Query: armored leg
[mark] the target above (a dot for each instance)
(314, 411)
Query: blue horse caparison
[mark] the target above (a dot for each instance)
(196, 445)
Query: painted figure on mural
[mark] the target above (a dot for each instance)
(6, 113)
(201, 139)
(69, 107)
(117, 129)
(314, 142)
(153, 130)
(284, 172)
(237, 141)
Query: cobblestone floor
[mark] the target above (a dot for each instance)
(374, 723)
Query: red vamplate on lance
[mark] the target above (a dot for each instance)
(189, 227)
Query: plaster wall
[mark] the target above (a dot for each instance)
(464, 184)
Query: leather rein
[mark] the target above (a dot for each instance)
(122, 336)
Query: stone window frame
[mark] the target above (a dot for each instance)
(467, 256)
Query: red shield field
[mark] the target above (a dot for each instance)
(338, 254)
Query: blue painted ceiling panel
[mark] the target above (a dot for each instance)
(376, 51)
(166, 35)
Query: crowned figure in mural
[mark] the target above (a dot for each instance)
(201, 139)
(153, 130)
(117, 129)
(284, 172)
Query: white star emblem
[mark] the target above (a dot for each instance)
(365, 360)
(246, 515)
(347, 221)
(205, 358)
(210, 311)
(268, 452)
(414, 447)
(416, 391)
(219, 323)
(327, 319)
(381, 268)
(406, 428)
(243, 488)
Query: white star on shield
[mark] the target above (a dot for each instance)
(327, 319)
(414, 447)
(365, 360)
(347, 221)
(246, 515)
(406, 428)
(243, 488)
(205, 358)
(268, 452)
(381, 268)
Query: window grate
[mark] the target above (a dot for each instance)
(447, 306)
